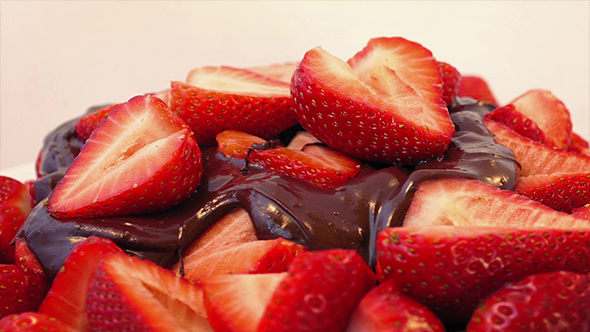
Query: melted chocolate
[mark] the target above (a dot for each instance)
(346, 217)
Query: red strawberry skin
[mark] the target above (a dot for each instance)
(321, 166)
(511, 118)
(140, 159)
(477, 88)
(210, 111)
(451, 81)
(370, 111)
(86, 126)
(319, 293)
(583, 211)
(67, 297)
(579, 145)
(15, 205)
(557, 301)
(451, 269)
(33, 322)
(559, 191)
(386, 309)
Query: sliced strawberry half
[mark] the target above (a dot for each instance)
(477, 88)
(386, 309)
(518, 122)
(128, 294)
(582, 211)
(556, 301)
(15, 206)
(230, 246)
(463, 202)
(86, 126)
(318, 293)
(66, 299)
(579, 144)
(320, 166)
(384, 105)
(22, 285)
(559, 191)
(451, 82)
(33, 322)
(534, 157)
(451, 269)
(280, 71)
(140, 159)
(214, 99)
(549, 113)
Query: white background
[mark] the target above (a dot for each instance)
(59, 57)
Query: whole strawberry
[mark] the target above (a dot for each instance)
(557, 301)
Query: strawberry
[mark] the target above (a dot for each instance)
(579, 144)
(320, 166)
(318, 293)
(236, 302)
(230, 246)
(511, 118)
(139, 155)
(477, 88)
(26, 260)
(85, 126)
(129, 294)
(214, 99)
(15, 205)
(386, 309)
(549, 113)
(390, 113)
(67, 297)
(582, 211)
(462, 202)
(534, 157)
(451, 81)
(33, 322)
(557, 301)
(451, 269)
(280, 71)
(559, 191)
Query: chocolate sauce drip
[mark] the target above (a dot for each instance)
(346, 217)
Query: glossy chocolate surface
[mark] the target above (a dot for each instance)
(346, 217)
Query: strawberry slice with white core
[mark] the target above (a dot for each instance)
(230, 246)
(128, 294)
(549, 113)
(534, 157)
(140, 159)
(214, 99)
(236, 303)
(384, 105)
(463, 202)
(279, 71)
(321, 166)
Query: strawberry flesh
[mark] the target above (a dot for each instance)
(140, 159)
(86, 126)
(281, 71)
(384, 105)
(557, 301)
(463, 202)
(451, 269)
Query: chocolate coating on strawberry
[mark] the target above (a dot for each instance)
(349, 216)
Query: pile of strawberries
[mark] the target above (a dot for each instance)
(469, 255)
